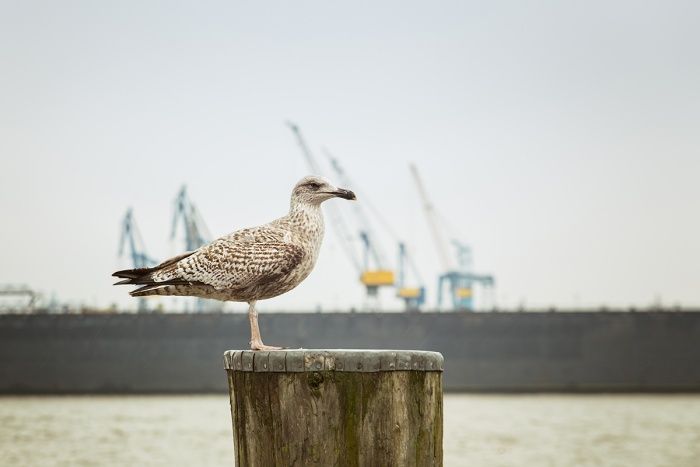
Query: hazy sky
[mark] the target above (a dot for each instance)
(560, 139)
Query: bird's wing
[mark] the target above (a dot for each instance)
(227, 265)
(241, 259)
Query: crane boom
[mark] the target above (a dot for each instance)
(131, 236)
(432, 221)
(366, 233)
(305, 149)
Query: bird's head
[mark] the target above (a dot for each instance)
(314, 190)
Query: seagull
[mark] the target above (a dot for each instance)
(250, 264)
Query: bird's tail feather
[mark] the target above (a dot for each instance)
(151, 289)
(145, 276)
(134, 273)
(160, 289)
(135, 276)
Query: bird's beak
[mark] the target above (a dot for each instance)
(345, 194)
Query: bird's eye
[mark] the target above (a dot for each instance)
(313, 185)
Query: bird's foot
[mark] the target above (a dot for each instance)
(258, 345)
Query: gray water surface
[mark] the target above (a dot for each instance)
(480, 430)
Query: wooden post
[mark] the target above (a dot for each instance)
(336, 407)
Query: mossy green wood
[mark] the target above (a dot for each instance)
(309, 416)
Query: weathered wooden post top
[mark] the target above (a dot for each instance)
(336, 407)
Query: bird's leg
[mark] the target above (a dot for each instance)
(256, 342)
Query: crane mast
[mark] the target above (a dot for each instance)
(413, 297)
(131, 238)
(196, 232)
(196, 235)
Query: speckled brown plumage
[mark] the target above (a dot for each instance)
(250, 264)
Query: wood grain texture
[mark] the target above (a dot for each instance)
(333, 418)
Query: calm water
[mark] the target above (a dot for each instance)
(480, 430)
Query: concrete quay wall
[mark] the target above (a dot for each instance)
(484, 352)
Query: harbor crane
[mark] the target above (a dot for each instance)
(196, 235)
(131, 239)
(458, 279)
(413, 297)
(464, 262)
(196, 232)
(375, 273)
